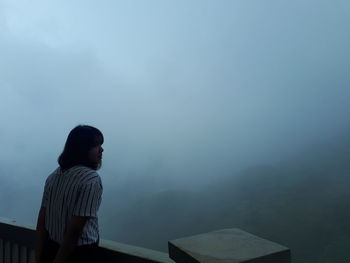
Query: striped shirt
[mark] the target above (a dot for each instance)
(75, 192)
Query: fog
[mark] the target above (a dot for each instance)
(191, 96)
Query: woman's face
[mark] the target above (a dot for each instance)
(95, 155)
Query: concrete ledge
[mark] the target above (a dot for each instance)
(227, 246)
(111, 251)
(16, 233)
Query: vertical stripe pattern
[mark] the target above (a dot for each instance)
(75, 192)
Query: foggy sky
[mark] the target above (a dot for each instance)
(184, 91)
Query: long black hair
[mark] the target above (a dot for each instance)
(79, 141)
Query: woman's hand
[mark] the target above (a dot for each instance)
(74, 230)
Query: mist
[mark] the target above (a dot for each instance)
(191, 96)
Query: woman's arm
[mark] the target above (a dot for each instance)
(42, 236)
(74, 230)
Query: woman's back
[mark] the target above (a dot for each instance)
(75, 192)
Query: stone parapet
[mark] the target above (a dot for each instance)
(227, 246)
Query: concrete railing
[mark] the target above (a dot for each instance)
(16, 242)
(224, 246)
(17, 246)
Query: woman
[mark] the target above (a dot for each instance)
(67, 228)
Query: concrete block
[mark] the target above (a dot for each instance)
(227, 246)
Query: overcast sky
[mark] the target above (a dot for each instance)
(182, 90)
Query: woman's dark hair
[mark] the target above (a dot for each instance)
(79, 141)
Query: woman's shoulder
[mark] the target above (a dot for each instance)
(87, 174)
(78, 170)
(53, 175)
